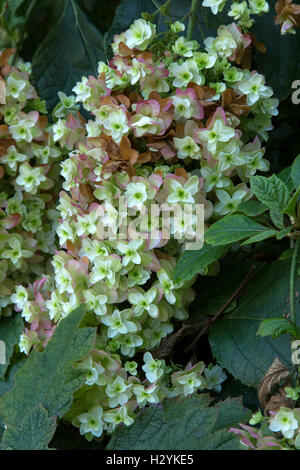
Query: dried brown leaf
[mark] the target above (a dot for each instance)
(271, 388)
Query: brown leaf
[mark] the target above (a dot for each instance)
(6, 54)
(125, 50)
(271, 388)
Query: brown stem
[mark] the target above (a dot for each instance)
(216, 316)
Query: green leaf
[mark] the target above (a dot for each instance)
(260, 236)
(183, 424)
(194, 261)
(270, 191)
(278, 64)
(34, 431)
(6, 385)
(295, 172)
(232, 228)
(275, 327)
(291, 207)
(10, 330)
(209, 298)
(251, 208)
(48, 378)
(71, 50)
(283, 233)
(277, 218)
(233, 337)
(286, 176)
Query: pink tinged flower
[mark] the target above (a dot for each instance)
(243, 41)
(10, 221)
(217, 131)
(154, 81)
(196, 109)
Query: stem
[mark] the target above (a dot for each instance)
(192, 20)
(216, 316)
(292, 280)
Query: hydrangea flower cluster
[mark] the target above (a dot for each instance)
(168, 125)
(284, 425)
(241, 11)
(29, 166)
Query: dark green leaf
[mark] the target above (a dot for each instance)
(181, 424)
(260, 236)
(10, 331)
(233, 337)
(209, 298)
(286, 176)
(232, 228)
(194, 261)
(272, 192)
(275, 327)
(251, 208)
(71, 50)
(295, 173)
(48, 378)
(290, 208)
(34, 431)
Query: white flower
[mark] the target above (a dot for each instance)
(96, 302)
(86, 224)
(186, 73)
(118, 392)
(258, 6)
(82, 90)
(285, 422)
(136, 194)
(91, 421)
(214, 5)
(66, 232)
(145, 395)
(20, 297)
(228, 203)
(189, 382)
(167, 285)
(54, 306)
(140, 34)
(60, 130)
(130, 251)
(142, 301)
(12, 157)
(219, 133)
(183, 47)
(183, 193)
(117, 416)
(187, 147)
(176, 27)
(119, 324)
(254, 87)
(14, 87)
(154, 369)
